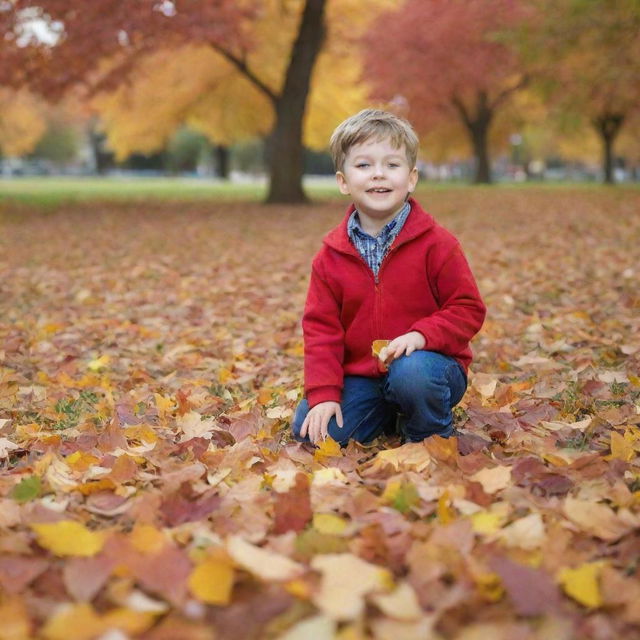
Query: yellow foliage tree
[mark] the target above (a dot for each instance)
(198, 86)
(22, 122)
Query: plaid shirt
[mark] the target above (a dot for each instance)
(373, 250)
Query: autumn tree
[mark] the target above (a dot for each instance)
(99, 45)
(22, 122)
(221, 102)
(587, 56)
(448, 61)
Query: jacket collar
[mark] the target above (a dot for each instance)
(418, 222)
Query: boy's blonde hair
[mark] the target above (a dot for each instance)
(377, 124)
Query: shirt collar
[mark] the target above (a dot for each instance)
(354, 226)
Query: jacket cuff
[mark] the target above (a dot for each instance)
(323, 394)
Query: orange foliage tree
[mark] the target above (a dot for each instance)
(448, 61)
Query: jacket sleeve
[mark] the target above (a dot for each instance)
(461, 311)
(323, 342)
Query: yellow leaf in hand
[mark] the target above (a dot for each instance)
(377, 346)
(68, 538)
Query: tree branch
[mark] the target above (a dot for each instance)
(462, 110)
(243, 68)
(505, 93)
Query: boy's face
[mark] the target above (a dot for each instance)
(378, 177)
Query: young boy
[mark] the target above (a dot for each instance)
(387, 272)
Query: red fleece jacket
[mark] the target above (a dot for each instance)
(424, 284)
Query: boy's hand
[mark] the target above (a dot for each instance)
(405, 344)
(317, 420)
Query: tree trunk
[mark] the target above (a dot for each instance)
(479, 133)
(608, 126)
(284, 154)
(477, 125)
(222, 161)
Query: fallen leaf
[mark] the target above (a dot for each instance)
(329, 523)
(525, 533)
(596, 518)
(263, 563)
(316, 628)
(328, 448)
(493, 479)
(532, 591)
(408, 456)
(68, 538)
(582, 583)
(401, 603)
(346, 579)
(212, 581)
(292, 509)
(6, 446)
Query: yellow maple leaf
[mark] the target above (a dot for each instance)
(212, 581)
(445, 513)
(486, 522)
(164, 404)
(489, 586)
(622, 447)
(224, 375)
(327, 448)
(81, 460)
(98, 363)
(68, 538)
(329, 523)
(582, 583)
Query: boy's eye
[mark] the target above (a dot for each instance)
(393, 165)
(362, 165)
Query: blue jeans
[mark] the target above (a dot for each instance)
(423, 387)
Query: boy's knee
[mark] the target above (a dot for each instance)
(416, 373)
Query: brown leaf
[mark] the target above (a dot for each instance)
(532, 591)
(292, 509)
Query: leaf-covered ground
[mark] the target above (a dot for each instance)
(150, 360)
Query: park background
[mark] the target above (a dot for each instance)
(150, 302)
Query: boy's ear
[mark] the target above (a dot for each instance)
(413, 179)
(342, 183)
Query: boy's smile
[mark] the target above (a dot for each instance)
(378, 177)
